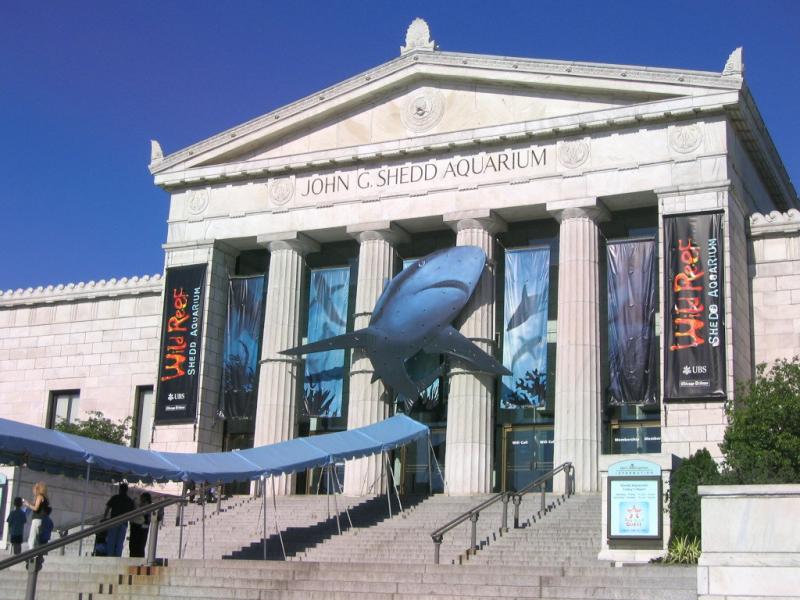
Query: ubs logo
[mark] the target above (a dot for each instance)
(695, 370)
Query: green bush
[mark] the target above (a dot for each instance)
(684, 503)
(762, 441)
(98, 427)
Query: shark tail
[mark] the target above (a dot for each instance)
(353, 339)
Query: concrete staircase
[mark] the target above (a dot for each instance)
(552, 556)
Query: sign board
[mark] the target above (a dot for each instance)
(635, 505)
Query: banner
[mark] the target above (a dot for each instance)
(243, 330)
(181, 339)
(632, 355)
(327, 316)
(420, 367)
(694, 314)
(525, 328)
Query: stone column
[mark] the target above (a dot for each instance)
(470, 401)
(369, 402)
(276, 418)
(578, 352)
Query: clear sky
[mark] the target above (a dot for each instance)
(84, 86)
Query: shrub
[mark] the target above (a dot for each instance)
(98, 427)
(684, 503)
(683, 551)
(762, 441)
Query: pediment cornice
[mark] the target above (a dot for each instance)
(576, 76)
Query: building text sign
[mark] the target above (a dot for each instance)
(634, 501)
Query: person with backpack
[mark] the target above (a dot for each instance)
(46, 529)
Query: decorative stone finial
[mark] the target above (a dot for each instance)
(418, 37)
(734, 66)
(156, 153)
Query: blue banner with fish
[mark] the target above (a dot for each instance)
(327, 317)
(525, 327)
(241, 352)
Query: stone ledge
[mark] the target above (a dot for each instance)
(83, 290)
(774, 223)
(780, 489)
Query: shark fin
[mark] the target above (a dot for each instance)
(450, 341)
(375, 377)
(354, 339)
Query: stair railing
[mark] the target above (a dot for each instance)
(35, 556)
(516, 497)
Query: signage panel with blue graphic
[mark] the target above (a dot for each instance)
(634, 500)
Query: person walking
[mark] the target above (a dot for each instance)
(40, 503)
(117, 505)
(16, 525)
(139, 527)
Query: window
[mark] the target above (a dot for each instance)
(64, 406)
(143, 417)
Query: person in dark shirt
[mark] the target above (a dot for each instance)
(16, 524)
(117, 505)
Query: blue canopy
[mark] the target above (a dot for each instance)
(47, 450)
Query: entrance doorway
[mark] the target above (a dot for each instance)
(414, 459)
(527, 452)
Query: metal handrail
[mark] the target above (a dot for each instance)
(35, 556)
(474, 513)
(541, 482)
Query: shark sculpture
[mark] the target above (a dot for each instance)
(415, 312)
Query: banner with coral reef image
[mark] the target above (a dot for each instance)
(243, 328)
(525, 327)
(328, 300)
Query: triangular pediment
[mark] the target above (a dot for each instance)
(423, 94)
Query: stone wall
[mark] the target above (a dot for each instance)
(100, 338)
(775, 274)
(750, 542)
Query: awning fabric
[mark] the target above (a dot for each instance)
(55, 452)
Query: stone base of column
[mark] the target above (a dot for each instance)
(365, 476)
(584, 455)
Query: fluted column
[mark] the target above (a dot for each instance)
(279, 376)
(470, 400)
(368, 402)
(576, 433)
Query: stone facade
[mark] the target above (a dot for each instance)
(100, 338)
(397, 157)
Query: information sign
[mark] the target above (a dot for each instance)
(634, 501)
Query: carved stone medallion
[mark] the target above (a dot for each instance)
(198, 201)
(573, 153)
(423, 110)
(281, 191)
(685, 138)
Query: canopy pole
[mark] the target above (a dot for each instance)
(83, 507)
(264, 513)
(335, 503)
(203, 512)
(430, 471)
(275, 512)
(180, 520)
(394, 484)
(386, 475)
(328, 490)
(346, 509)
(438, 468)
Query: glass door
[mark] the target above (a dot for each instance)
(416, 458)
(527, 454)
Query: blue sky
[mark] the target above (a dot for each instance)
(84, 86)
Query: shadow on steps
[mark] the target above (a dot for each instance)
(299, 539)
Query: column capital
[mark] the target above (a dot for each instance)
(481, 218)
(288, 240)
(578, 208)
(379, 230)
